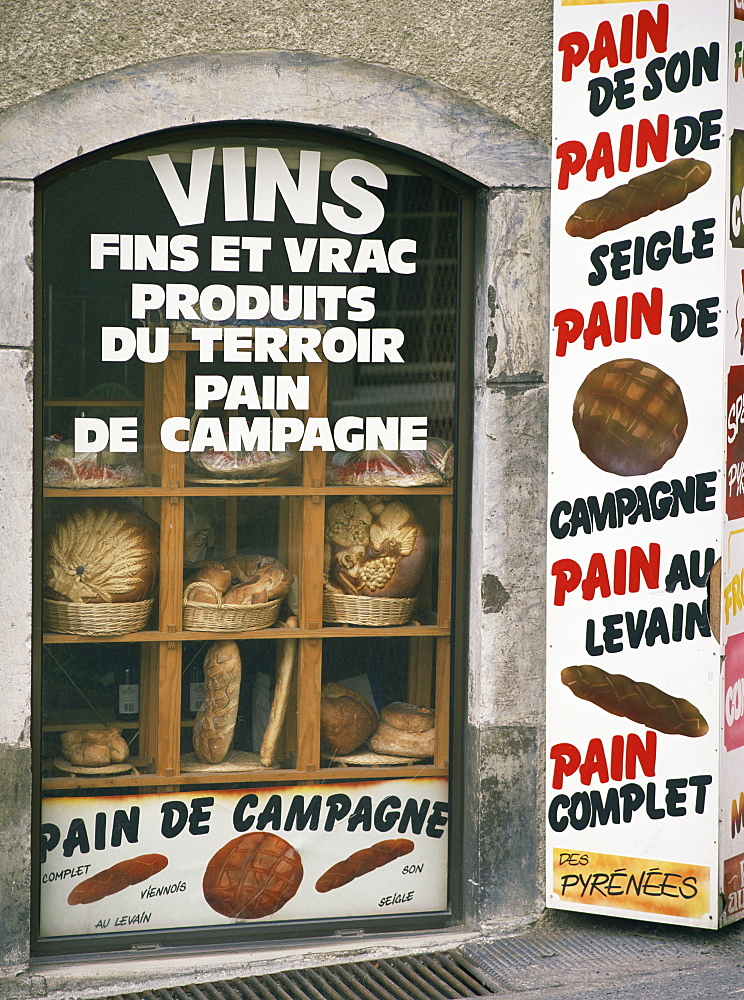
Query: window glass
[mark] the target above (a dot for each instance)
(247, 446)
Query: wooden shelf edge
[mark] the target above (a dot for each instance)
(247, 778)
(330, 632)
(259, 489)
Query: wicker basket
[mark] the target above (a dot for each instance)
(221, 617)
(348, 609)
(96, 619)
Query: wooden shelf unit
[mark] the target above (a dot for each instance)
(301, 532)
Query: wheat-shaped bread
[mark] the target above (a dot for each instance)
(635, 700)
(102, 554)
(650, 192)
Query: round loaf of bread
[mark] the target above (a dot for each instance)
(102, 553)
(215, 574)
(409, 718)
(388, 739)
(374, 547)
(629, 417)
(252, 876)
(202, 593)
(260, 579)
(346, 719)
(94, 747)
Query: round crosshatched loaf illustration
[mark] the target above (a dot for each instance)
(252, 876)
(629, 417)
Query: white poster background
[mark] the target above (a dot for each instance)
(413, 883)
(688, 668)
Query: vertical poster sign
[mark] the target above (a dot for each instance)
(731, 844)
(636, 493)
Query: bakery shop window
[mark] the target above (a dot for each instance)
(249, 455)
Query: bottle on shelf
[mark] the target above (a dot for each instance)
(127, 703)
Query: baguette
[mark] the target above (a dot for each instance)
(214, 726)
(361, 862)
(650, 192)
(635, 700)
(116, 878)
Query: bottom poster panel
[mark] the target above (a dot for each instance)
(113, 864)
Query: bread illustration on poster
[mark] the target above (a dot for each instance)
(629, 417)
(635, 700)
(252, 876)
(119, 876)
(651, 192)
(368, 859)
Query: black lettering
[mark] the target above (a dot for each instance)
(48, 839)
(607, 811)
(76, 839)
(675, 797)
(199, 818)
(126, 824)
(298, 817)
(683, 321)
(437, 820)
(703, 238)
(701, 782)
(338, 806)
(387, 813)
(242, 822)
(414, 813)
(175, 815)
(599, 274)
(271, 814)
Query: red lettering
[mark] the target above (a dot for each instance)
(601, 158)
(596, 578)
(653, 140)
(644, 565)
(598, 327)
(654, 30)
(645, 316)
(574, 45)
(595, 762)
(567, 575)
(626, 754)
(636, 752)
(569, 323)
(642, 311)
(567, 759)
(604, 47)
(575, 48)
(572, 155)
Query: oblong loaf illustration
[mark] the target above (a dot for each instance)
(361, 862)
(650, 192)
(635, 700)
(119, 876)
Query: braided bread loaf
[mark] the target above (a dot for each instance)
(635, 700)
(648, 193)
(119, 876)
(361, 862)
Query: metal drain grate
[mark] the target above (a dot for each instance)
(437, 976)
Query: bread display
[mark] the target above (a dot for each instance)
(214, 726)
(252, 876)
(241, 580)
(346, 719)
(361, 862)
(650, 192)
(430, 466)
(102, 553)
(94, 747)
(373, 548)
(629, 417)
(404, 730)
(635, 700)
(119, 876)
